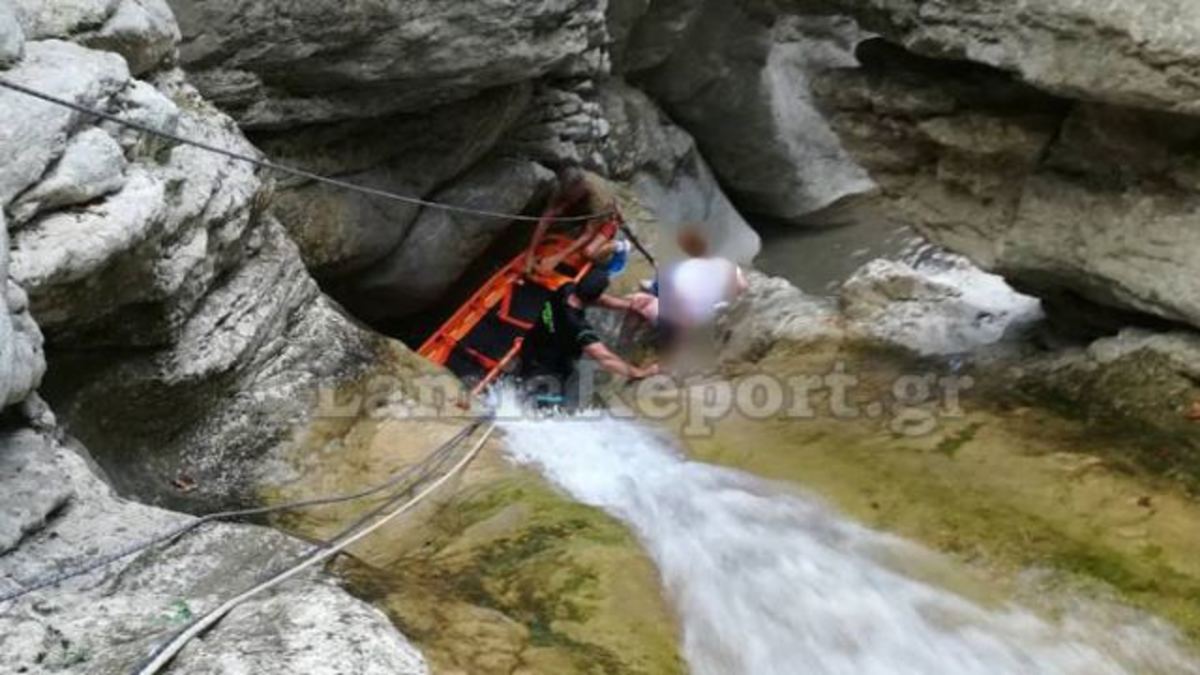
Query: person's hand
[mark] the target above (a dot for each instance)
(645, 372)
(644, 305)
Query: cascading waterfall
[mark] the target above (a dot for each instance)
(769, 581)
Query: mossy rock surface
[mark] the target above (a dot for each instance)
(499, 573)
(1007, 487)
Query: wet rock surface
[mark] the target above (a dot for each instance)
(501, 574)
(742, 89)
(947, 308)
(1049, 144)
(667, 172)
(1058, 197)
(185, 339)
(108, 621)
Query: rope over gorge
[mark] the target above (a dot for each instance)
(282, 168)
(381, 515)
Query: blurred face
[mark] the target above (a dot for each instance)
(692, 241)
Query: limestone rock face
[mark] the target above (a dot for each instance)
(22, 362)
(742, 89)
(12, 37)
(1072, 201)
(415, 99)
(1135, 54)
(169, 250)
(92, 165)
(645, 32)
(285, 63)
(947, 308)
(342, 232)
(106, 622)
(144, 32)
(187, 340)
(441, 244)
(668, 172)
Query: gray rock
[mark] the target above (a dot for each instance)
(563, 124)
(1180, 348)
(669, 175)
(12, 37)
(33, 489)
(92, 165)
(441, 244)
(35, 132)
(342, 232)
(187, 338)
(1066, 200)
(953, 308)
(44, 19)
(742, 89)
(22, 363)
(645, 32)
(67, 248)
(327, 64)
(771, 312)
(1126, 53)
(144, 32)
(106, 621)
(140, 102)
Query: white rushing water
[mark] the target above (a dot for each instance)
(768, 581)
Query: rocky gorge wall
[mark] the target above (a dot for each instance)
(466, 104)
(1051, 143)
(184, 338)
(171, 292)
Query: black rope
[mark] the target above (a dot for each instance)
(432, 461)
(272, 166)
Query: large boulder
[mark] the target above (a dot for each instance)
(741, 88)
(22, 362)
(1072, 201)
(342, 232)
(144, 32)
(440, 245)
(940, 308)
(105, 622)
(186, 341)
(1138, 54)
(666, 170)
(285, 63)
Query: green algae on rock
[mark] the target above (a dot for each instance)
(502, 574)
(1004, 487)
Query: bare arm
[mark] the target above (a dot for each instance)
(614, 303)
(617, 365)
(539, 233)
(593, 228)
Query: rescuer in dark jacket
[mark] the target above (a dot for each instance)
(563, 335)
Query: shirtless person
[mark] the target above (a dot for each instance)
(580, 193)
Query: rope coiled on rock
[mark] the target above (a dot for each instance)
(355, 532)
(282, 168)
(423, 468)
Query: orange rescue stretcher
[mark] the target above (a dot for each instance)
(485, 335)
